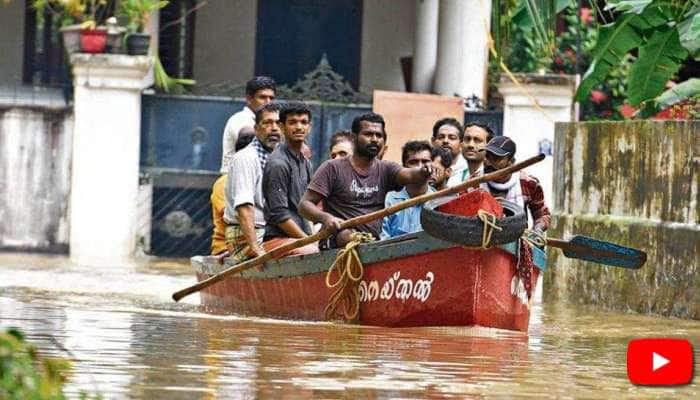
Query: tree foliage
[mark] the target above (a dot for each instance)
(663, 33)
(25, 375)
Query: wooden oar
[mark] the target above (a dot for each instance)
(362, 219)
(598, 251)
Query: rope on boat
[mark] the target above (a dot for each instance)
(489, 221)
(345, 300)
(535, 238)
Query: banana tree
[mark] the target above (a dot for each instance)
(664, 33)
(538, 16)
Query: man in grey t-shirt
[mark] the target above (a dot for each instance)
(356, 185)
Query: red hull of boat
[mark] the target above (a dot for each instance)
(446, 287)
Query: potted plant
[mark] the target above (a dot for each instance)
(115, 36)
(79, 20)
(138, 13)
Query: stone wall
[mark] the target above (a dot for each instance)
(35, 159)
(636, 184)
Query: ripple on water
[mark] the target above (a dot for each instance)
(129, 340)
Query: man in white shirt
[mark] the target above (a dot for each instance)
(476, 136)
(244, 217)
(448, 134)
(259, 91)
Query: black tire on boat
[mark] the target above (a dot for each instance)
(468, 231)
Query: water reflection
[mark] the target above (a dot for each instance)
(130, 341)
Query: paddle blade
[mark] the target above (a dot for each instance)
(598, 251)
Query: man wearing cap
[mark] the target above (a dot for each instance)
(522, 189)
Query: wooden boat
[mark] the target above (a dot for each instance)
(412, 280)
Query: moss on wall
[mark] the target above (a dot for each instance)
(633, 183)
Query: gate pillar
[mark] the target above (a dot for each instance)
(105, 166)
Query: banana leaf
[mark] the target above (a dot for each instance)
(615, 40)
(659, 59)
(632, 6)
(522, 18)
(689, 30)
(682, 91)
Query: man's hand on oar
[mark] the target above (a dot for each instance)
(360, 220)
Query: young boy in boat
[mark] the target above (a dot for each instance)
(356, 185)
(448, 134)
(286, 176)
(522, 189)
(415, 153)
(442, 168)
(244, 215)
(476, 136)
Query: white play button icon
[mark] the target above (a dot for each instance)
(658, 361)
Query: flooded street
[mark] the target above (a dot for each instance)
(129, 340)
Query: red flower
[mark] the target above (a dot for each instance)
(586, 15)
(558, 61)
(627, 110)
(598, 97)
(570, 53)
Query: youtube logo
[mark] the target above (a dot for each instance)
(659, 361)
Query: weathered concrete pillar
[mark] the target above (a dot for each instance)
(531, 125)
(425, 45)
(463, 58)
(105, 167)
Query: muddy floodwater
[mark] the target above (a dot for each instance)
(129, 340)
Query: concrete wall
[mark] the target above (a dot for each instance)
(12, 42)
(636, 184)
(388, 28)
(225, 41)
(35, 158)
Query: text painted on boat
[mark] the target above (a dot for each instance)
(397, 288)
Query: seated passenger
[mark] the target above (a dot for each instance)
(356, 185)
(341, 144)
(416, 153)
(218, 198)
(442, 168)
(285, 178)
(245, 222)
(520, 188)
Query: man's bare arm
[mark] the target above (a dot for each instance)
(292, 229)
(414, 175)
(246, 218)
(308, 210)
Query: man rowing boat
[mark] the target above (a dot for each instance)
(356, 185)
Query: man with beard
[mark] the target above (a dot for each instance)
(448, 134)
(476, 136)
(285, 178)
(521, 188)
(356, 185)
(244, 215)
